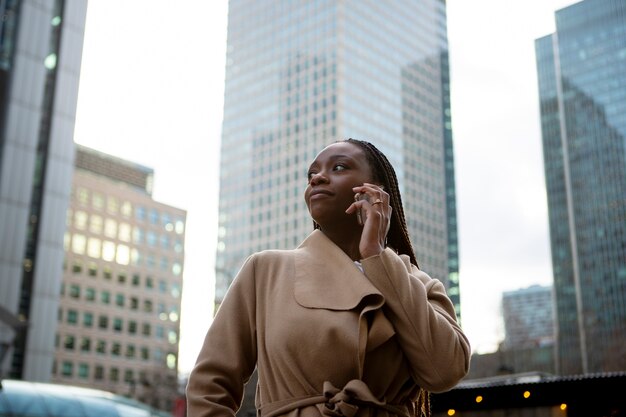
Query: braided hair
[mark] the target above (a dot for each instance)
(383, 172)
(397, 237)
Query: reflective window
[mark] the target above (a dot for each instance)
(80, 220)
(95, 224)
(78, 244)
(110, 228)
(94, 246)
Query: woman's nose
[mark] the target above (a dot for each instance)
(317, 178)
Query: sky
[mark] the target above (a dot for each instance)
(151, 91)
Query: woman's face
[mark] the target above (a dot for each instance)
(333, 173)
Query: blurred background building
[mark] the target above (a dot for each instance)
(301, 75)
(528, 344)
(119, 315)
(528, 317)
(582, 87)
(40, 56)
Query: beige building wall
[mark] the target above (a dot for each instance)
(119, 315)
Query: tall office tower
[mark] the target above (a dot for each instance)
(582, 88)
(300, 75)
(40, 56)
(528, 317)
(122, 281)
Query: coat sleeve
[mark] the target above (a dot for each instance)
(424, 319)
(229, 354)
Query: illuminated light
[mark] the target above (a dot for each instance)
(479, 398)
(563, 407)
(526, 394)
(50, 62)
(451, 412)
(56, 21)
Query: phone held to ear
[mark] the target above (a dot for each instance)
(359, 215)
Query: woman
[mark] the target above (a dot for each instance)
(344, 325)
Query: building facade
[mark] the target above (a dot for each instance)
(40, 56)
(528, 318)
(119, 314)
(582, 88)
(301, 75)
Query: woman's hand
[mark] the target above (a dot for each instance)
(372, 202)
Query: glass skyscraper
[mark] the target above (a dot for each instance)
(582, 88)
(40, 55)
(300, 75)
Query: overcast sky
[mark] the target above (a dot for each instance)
(151, 91)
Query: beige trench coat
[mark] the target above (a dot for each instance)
(328, 338)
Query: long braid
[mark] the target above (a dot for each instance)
(398, 236)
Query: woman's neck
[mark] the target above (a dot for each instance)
(347, 242)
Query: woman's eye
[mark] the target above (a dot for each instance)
(339, 167)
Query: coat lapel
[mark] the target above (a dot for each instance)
(327, 278)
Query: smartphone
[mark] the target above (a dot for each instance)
(359, 215)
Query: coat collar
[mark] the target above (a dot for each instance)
(326, 277)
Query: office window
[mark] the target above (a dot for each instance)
(105, 297)
(145, 353)
(94, 247)
(107, 273)
(140, 213)
(171, 360)
(101, 347)
(98, 372)
(82, 196)
(79, 242)
(129, 376)
(114, 374)
(108, 251)
(151, 238)
(69, 342)
(83, 371)
(124, 232)
(126, 209)
(72, 317)
(90, 294)
(130, 351)
(132, 327)
(147, 306)
(67, 368)
(97, 201)
(154, 216)
(146, 329)
(116, 349)
(136, 280)
(134, 303)
(85, 344)
(103, 322)
(113, 205)
(117, 324)
(93, 268)
(74, 291)
(110, 228)
(87, 319)
(77, 267)
(122, 256)
(80, 220)
(95, 224)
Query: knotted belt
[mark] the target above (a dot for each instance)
(337, 403)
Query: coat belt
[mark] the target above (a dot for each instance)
(337, 403)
